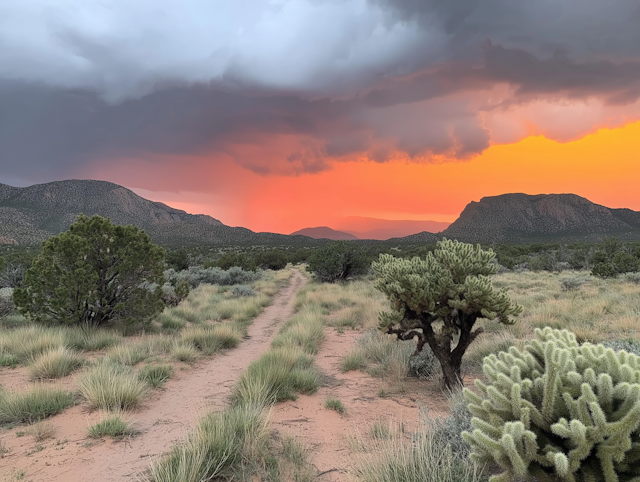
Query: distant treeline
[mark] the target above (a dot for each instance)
(607, 258)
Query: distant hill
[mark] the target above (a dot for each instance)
(32, 214)
(520, 218)
(324, 232)
(382, 229)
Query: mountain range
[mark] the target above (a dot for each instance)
(325, 232)
(32, 214)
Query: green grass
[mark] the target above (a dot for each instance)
(33, 405)
(55, 363)
(184, 352)
(335, 404)
(221, 444)
(9, 360)
(304, 330)
(211, 338)
(280, 374)
(111, 426)
(110, 386)
(155, 375)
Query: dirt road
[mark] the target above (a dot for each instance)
(166, 417)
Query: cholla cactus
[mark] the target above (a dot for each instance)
(558, 410)
(439, 299)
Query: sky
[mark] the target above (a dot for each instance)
(282, 114)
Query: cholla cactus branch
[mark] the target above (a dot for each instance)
(557, 410)
(439, 299)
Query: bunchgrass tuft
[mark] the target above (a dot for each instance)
(9, 360)
(184, 352)
(221, 443)
(33, 405)
(55, 363)
(42, 431)
(110, 386)
(128, 354)
(155, 375)
(335, 404)
(211, 338)
(111, 426)
(283, 372)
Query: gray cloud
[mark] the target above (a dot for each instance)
(84, 81)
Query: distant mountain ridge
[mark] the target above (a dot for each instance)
(32, 214)
(325, 232)
(518, 218)
(383, 229)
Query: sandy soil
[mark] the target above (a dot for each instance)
(168, 415)
(326, 433)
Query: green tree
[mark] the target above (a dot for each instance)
(272, 259)
(438, 300)
(229, 260)
(337, 261)
(178, 259)
(94, 274)
(624, 262)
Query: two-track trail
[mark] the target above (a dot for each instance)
(166, 418)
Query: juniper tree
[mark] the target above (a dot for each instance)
(337, 261)
(93, 274)
(438, 300)
(558, 411)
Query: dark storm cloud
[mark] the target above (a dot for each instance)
(85, 81)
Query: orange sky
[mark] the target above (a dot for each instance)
(603, 167)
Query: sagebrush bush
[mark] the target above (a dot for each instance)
(242, 290)
(111, 386)
(631, 277)
(196, 275)
(572, 283)
(558, 409)
(33, 405)
(630, 346)
(55, 363)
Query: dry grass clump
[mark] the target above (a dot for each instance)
(111, 386)
(28, 342)
(305, 330)
(392, 456)
(380, 355)
(184, 352)
(211, 338)
(42, 431)
(55, 363)
(33, 405)
(114, 425)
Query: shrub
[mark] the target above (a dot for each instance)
(630, 346)
(423, 365)
(6, 301)
(195, 276)
(242, 290)
(441, 297)
(631, 278)
(42, 431)
(572, 283)
(448, 430)
(110, 386)
(112, 426)
(55, 363)
(272, 259)
(155, 375)
(558, 409)
(337, 261)
(12, 275)
(178, 259)
(604, 270)
(95, 273)
(33, 405)
(238, 260)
